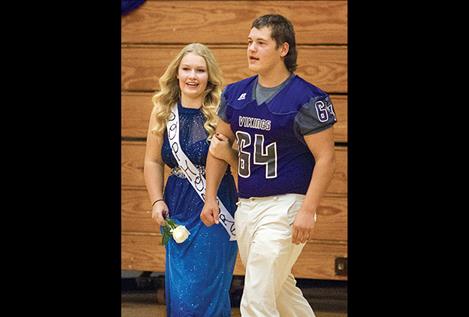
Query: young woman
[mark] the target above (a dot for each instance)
(199, 270)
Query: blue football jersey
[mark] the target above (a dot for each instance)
(273, 156)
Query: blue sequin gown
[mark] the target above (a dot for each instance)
(199, 270)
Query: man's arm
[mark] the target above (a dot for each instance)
(321, 145)
(214, 170)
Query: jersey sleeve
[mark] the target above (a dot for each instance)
(223, 109)
(314, 116)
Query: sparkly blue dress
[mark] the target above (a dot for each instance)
(199, 270)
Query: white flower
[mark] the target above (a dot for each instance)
(180, 234)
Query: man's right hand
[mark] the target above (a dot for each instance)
(210, 212)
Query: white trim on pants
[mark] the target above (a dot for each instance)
(264, 234)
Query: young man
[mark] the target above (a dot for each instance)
(283, 127)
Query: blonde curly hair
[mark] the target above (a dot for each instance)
(170, 92)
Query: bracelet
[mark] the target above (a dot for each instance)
(161, 199)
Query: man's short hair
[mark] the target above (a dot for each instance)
(281, 31)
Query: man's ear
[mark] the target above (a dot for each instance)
(284, 49)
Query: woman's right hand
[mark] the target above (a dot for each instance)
(159, 212)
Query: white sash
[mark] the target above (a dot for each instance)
(194, 176)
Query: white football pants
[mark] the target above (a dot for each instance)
(264, 234)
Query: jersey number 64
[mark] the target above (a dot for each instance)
(262, 156)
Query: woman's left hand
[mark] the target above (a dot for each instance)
(220, 147)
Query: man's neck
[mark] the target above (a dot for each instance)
(273, 77)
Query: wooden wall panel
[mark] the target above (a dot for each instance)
(208, 22)
(136, 109)
(151, 37)
(144, 252)
(133, 154)
(332, 215)
(318, 261)
(325, 67)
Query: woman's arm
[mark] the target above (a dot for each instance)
(153, 173)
